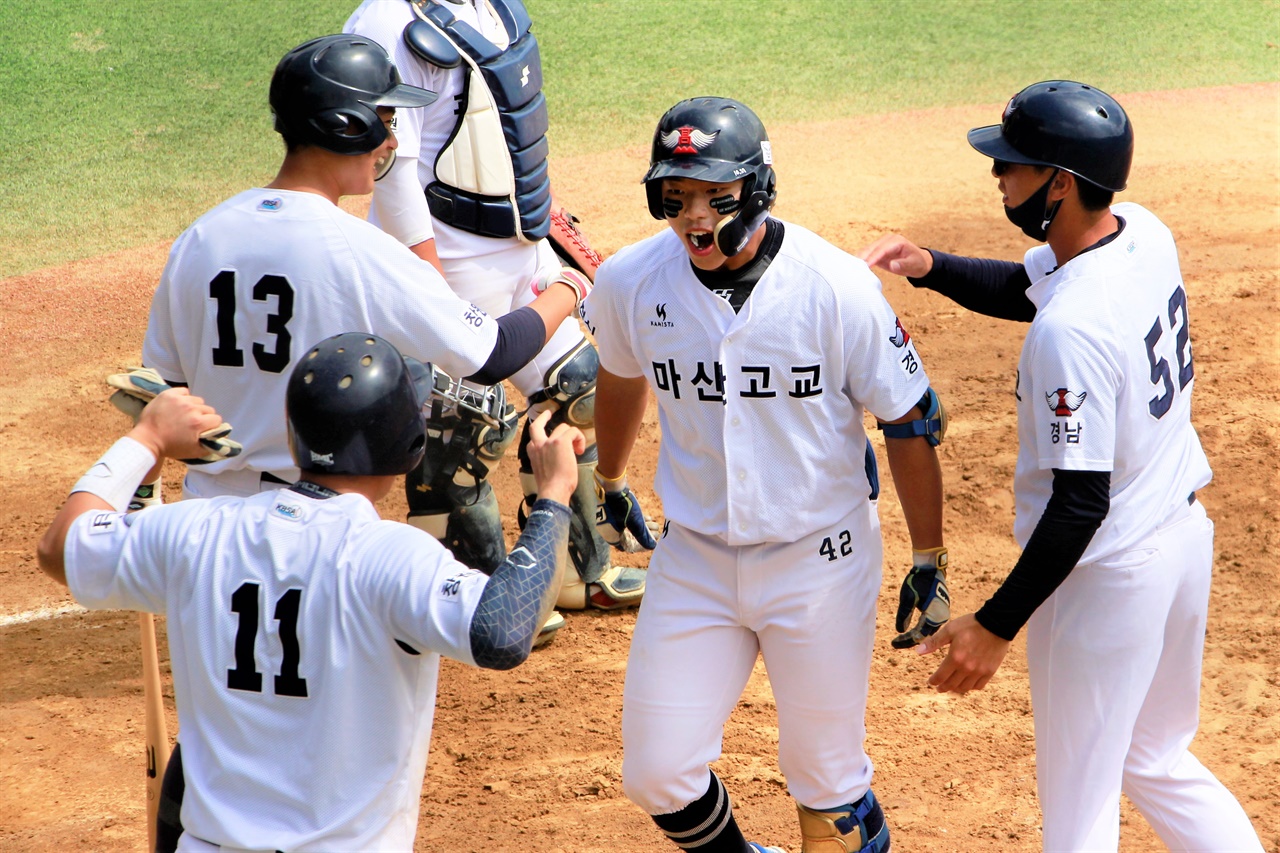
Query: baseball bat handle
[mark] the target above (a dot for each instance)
(157, 732)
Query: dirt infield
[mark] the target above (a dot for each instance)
(530, 760)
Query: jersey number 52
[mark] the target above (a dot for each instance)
(1161, 375)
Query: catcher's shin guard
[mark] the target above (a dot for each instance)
(449, 495)
(595, 581)
(471, 526)
(858, 826)
(590, 578)
(570, 391)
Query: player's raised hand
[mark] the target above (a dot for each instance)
(973, 656)
(619, 518)
(174, 424)
(554, 458)
(898, 255)
(925, 590)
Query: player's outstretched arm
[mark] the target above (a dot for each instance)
(898, 255)
(170, 426)
(974, 655)
(917, 476)
(522, 590)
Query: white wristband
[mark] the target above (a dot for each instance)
(116, 476)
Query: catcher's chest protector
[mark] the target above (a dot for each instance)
(491, 176)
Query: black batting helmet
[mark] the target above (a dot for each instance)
(326, 93)
(355, 406)
(710, 139)
(1070, 126)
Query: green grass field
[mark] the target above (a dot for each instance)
(123, 120)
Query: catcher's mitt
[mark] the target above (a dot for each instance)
(138, 386)
(570, 243)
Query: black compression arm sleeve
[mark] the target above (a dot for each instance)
(519, 591)
(521, 335)
(1079, 503)
(987, 286)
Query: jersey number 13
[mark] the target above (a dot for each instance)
(227, 353)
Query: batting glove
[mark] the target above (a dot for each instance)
(140, 385)
(924, 589)
(576, 281)
(619, 518)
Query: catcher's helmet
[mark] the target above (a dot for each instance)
(712, 139)
(326, 92)
(355, 406)
(1070, 126)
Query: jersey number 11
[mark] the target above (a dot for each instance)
(246, 676)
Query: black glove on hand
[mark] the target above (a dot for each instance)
(621, 521)
(924, 589)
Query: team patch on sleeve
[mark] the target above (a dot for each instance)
(451, 588)
(1065, 403)
(103, 522)
(908, 359)
(473, 318)
(900, 337)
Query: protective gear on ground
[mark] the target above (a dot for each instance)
(137, 386)
(1068, 125)
(469, 428)
(924, 589)
(502, 116)
(932, 425)
(717, 140)
(354, 407)
(857, 826)
(326, 92)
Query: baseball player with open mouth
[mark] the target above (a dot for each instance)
(764, 345)
(1113, 581)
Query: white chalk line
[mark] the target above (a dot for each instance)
(9, 619)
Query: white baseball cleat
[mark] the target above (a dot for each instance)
(549, 629)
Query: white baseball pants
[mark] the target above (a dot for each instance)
(1114, 656)
(708, 610)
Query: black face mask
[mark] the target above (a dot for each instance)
(1034, 215)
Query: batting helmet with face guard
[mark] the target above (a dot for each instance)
(355, 406)
(1066, 125)
(717, 140)
(326, 92)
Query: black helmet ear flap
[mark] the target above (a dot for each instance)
(732, 234)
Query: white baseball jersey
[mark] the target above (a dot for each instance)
(761, 411)
(1104, 382)
(421, 133)
(305, 637)
(268, 273)
(1114, 654)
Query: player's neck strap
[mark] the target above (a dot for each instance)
(313, 490)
